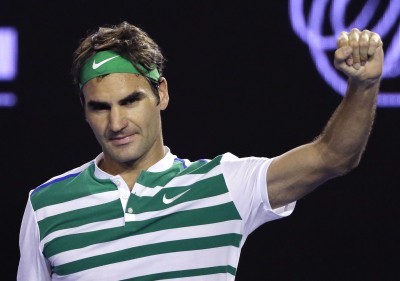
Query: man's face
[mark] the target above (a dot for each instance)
(124, 115)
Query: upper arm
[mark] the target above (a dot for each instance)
(246, 182)
(33, 265)
(297, 172)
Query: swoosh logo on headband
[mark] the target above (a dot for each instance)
(97, 65)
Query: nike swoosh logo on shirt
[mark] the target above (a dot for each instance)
(170, 200)
(97, 65)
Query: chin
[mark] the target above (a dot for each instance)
(125, 159)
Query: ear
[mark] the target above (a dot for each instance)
(163, 92)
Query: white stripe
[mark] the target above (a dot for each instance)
(177, 261)
(184, 206)
(76, 204)
(147, 239)
(185, 180)
(95, 226)
(142, 191)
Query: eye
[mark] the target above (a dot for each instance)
(94, 106)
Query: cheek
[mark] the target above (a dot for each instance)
(147, 118)
(148, 126)
(151, 121)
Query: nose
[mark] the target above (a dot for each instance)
(117, 120)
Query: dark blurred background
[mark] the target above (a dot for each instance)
(240, 80)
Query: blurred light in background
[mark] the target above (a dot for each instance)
(309, 26)
(8, 63)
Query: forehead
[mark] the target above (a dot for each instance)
(115, 86)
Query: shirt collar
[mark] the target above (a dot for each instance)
(162, 165)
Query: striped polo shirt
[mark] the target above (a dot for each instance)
(182, 220)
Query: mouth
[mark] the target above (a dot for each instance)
(121, 140)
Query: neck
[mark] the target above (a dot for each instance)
(131, 170)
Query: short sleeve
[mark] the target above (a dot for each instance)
(33, 266)
(246, 179)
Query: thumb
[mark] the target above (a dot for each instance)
(343, 58)
(343, 54)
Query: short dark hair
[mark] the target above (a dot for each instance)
(129, 41)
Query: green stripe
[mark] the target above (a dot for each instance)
(103, 212)
(199, 190)
(201, 167)
(193, 166)
(151, 180)
(186, 273)
(215, 214)
(69, 189)
(76, 241)
(86, 184)
(149, 250)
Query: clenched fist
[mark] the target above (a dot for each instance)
(360, 55)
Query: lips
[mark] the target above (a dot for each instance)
(121, 140)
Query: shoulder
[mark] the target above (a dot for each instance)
(230, 161)
(59, 181)
(227, 159)
(200, 166)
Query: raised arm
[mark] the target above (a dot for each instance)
(339, 147)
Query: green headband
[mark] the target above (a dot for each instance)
(106, 62)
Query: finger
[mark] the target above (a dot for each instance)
(343, 40)
(354, 38)
(374, 43)
(364, 46)
(343, 54)
(344, 50)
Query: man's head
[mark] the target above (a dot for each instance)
(119, 71)
(126, 40)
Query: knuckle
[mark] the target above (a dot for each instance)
(373, 43)
(354, 44)
(342, 42)
(366, 31)
(343, 37)
(363, 43)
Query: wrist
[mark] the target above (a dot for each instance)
(364, 83)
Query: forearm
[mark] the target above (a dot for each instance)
(346, 134)
(336, 151)
(341, 144)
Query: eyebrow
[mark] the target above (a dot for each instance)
(135, 95)
(97, 104)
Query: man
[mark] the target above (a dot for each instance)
(137, 212)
